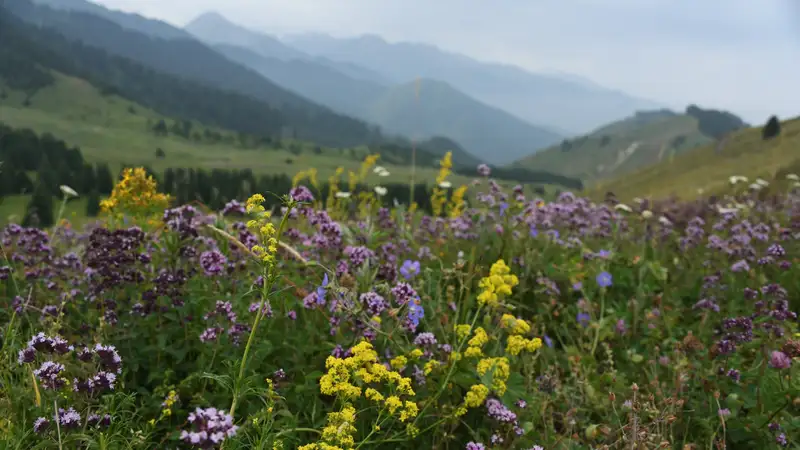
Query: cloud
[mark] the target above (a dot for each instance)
(737, 54)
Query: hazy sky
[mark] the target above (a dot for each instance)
(742, 55)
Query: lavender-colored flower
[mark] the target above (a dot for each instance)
(40, 425)
(410, 269)
(234, 208)
(781, 440)
(583, 319)
(95, 420)
(548, 341)
(109, 358)
(373, 303)
(213, 262)
(302, 194)
(49, 374)
(68, 419)
(475, 446)
(425, 339)
(210, 334)
(779, 360)
(604, 279)
(621, 327)
(403, 293)
(210, 427)
(484, 170)
(26, 355)
(740, 266)
(498, 411)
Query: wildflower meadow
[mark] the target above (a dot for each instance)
(498, 321)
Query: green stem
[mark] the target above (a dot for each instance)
(599, 322)
(269, 279)
(450, 372)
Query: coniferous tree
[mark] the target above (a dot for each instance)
(771, 129)
(105, 181)
(39, 211)
(93, 203)
(88, 178)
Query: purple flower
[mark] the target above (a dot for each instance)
(40, 425)
(415, 313)
(621, 328)
(213, 262)
(409, 269)
(425, 339)
(210, 427)
(50, 375)
(475, 446)
(604, 279)
(68, 419)
(583, 319)
(779, 360)
(484, 170)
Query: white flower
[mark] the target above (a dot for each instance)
(646, 214)
(68, 191)
(700, 191)
(342, 194)
(735, 179)
(762, 182)
(638, 201)
(623, 207)
(755, 186)
(378, 169)
(381, 191)
(384, 173)
(664, 221)
(445, 185)
(793, 177)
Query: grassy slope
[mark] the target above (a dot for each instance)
(105, 130)
(590, 160)
(745, 153)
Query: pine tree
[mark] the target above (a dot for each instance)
(105, 181)
(39, 212)
(771, 129)
(93, 204)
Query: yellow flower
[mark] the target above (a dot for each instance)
(476, 396)
(499, 282)
(457, 202)
(399, 362)
(514, 325)
(462, 331)
(479, 339)
(501, 370)
(416, 353)
(135, 194)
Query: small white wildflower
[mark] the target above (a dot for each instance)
(381, 191)
(700, 191)
(342, 194)
(638, 200)
(646, 214)
(68, 191)
(378, 169)
(763, 183)
(755, 187)
(664, 221)
(445, 185)
(735, 179)
(793, 177)
(623, 207)
(384, 173)
(796, 184)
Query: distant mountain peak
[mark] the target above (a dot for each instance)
(209, 17)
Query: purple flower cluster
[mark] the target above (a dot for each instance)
(210, 427)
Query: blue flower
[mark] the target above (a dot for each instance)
(547, 341)
(409, 269)
(415, 312)
(322, 290)
(503, 208)
(604, 279)
(534, 231)
(583, 319)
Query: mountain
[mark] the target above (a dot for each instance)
(620, 147)
(706, 170)
(440, 109)
(213, 28)
(135, 22)
(552, 100)
(190, 60)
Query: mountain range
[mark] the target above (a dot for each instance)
(414, 90)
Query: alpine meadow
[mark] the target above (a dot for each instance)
(355, 225)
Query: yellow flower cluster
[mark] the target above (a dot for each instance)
(476, 343)
(136, 193)
(516, 343)
(363, 366)
(439, 195)
(333, 188)
(457, 203)
(500, 372)
(474, 399)
(368, 163)
(268, 248)
(310, 175)
(499, 282)
(171, 399)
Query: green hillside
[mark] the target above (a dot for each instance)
(706, 170)
(111, 129)
(620, 147)
(429, 108)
